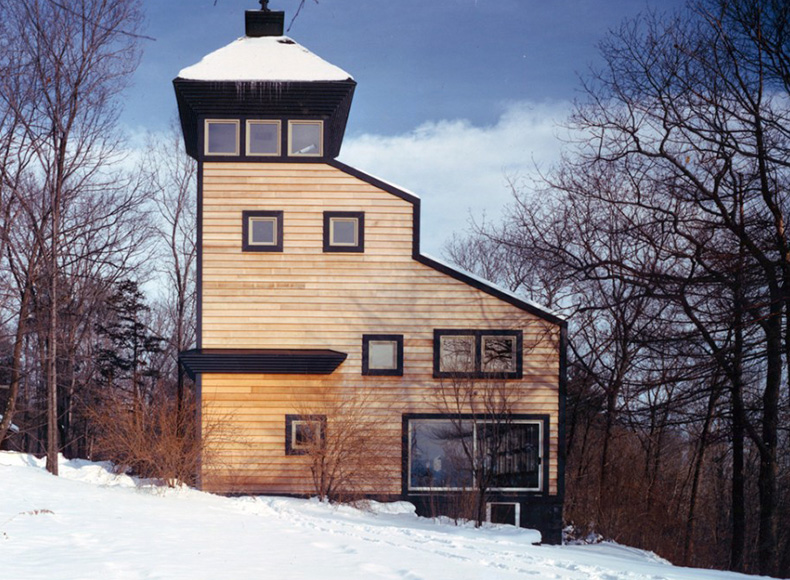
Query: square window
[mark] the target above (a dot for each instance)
(221, 137)
(262, 231)
(511, 452)
(304, 433)
(499, 353)
(439, 454)
(382, 354)
(305, 138)
(263, 138)
(344, 231)
(457, 353)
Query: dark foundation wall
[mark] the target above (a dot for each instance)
(539, 513)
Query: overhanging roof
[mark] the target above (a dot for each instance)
(261, 361)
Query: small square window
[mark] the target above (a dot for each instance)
(262, 231)
(263, 138)
(221, 137)
(457, 353)
(304, 433)
(344, 231)
(499, 353)
(305, 138)
(382, 354)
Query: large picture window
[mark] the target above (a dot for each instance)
(451, 454)
(478, 353)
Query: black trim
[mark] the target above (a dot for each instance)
(478, 335)
(289, 420)
(199, 261)
(356, 249)
(561, 418)
(261, 361)
(398, 340)
(545, 459)
(444, 268)
(329, 101)
(245, 231)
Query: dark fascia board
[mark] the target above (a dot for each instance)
(327, 100)
(261, 361)
(440, 266)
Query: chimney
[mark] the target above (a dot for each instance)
(263, 22)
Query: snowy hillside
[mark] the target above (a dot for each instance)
(90, 524)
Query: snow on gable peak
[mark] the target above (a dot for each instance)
(267, 58)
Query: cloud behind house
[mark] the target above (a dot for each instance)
(460, 170)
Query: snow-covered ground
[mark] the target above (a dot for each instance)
(92, 524)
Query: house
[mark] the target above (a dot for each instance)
(312, 290)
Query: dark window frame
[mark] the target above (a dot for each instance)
(545, 457)
(397, 339)
(289, 422)
(478, 371)
(359, 247)
(243, 155)
(246, 246)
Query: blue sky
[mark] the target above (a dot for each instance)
(453, 96)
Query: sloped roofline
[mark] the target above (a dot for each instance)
(444, 268)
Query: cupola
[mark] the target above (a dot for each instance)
(263, 98)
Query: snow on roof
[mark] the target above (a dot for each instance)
(496, 287)
(266, 58)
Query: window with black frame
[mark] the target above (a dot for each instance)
(450, 453)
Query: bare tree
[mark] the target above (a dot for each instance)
(338, 435)
(66, 67)
(173, 175)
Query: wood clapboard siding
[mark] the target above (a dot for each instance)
(305, 298)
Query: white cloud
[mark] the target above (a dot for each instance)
(459, 169)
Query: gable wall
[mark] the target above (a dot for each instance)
(305, 298)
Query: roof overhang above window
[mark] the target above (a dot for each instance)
(261, 361)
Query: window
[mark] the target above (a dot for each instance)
(305, 138)
(262, 231)
(451, 453)
(382, 354)
(304, 433)
(478, 353)
(221, 137)
(344, 231)
(263, 138)
(503, 513)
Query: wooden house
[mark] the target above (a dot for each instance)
(314, 301)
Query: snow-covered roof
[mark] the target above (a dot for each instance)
(266, 58)
(497, 288)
